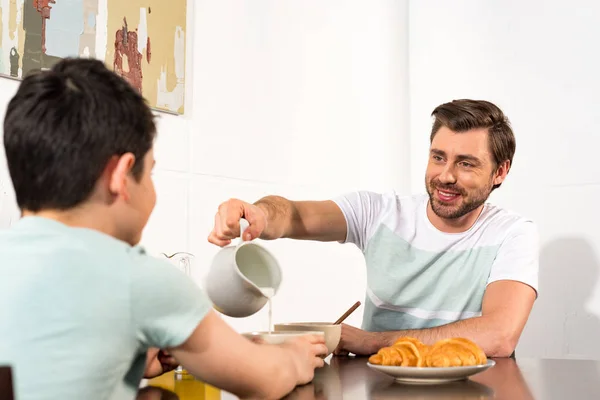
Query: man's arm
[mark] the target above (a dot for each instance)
(505, 310)
(350, 218)
(275, 217)
(308, 220)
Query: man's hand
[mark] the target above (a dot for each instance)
(227, 222)
(158, 362)
(357, 341)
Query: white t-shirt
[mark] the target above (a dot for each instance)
(419, 277)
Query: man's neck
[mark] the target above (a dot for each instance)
(88, 216)
(453, 225)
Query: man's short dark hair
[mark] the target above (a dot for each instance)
(64, 125)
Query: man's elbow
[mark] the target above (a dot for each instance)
(503, 344)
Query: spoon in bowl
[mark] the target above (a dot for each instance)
(347, 313)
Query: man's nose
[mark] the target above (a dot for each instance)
(447, 175)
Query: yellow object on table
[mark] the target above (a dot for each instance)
(186, 387)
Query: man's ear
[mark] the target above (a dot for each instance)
(501, 172)
(118, 172)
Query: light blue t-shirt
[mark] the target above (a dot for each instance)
(79, 309)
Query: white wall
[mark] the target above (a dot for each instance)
(304, 99)
(307, 99)
(535, 60)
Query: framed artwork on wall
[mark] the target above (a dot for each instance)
(144, 41)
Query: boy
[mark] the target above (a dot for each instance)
(81, 307)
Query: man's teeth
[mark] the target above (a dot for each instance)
(448, 194)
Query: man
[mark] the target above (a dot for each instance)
(83, 311)
(445, 264)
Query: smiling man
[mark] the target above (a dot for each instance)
(442, 264)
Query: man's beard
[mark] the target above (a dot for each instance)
(468, 201)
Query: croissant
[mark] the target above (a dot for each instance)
(411, 352)
(405, 352)
(423, 348)
(386, 356)
(455, 352)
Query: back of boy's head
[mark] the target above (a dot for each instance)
(64, 125)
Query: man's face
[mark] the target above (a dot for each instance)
(461, 172)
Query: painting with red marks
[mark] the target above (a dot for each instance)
(148, 51)
(43, 7)
(141, 40)
(128, 60)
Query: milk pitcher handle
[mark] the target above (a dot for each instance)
(243, 226)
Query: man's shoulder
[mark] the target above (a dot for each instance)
(413, 199)
(393, 198)
(493, 211)
(388, 204)
(408, 205)
(505, 220)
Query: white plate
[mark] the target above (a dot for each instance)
(431, 375)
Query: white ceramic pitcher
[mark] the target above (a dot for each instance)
(239, 275)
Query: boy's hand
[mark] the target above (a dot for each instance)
(307, 353)
(158, 362)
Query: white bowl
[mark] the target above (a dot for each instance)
(332, 332)
(278, 337)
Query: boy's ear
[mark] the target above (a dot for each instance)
(118, 170)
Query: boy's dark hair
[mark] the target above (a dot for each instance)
(64, 125)
(464, 115)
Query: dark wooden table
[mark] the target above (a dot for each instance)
(349, 378)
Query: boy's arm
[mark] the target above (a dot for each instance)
(170, 312)
(223, 358)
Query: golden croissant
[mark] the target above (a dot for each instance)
(410, 352)
(455, 352)
(405, 352)
(420, 346)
